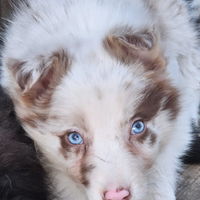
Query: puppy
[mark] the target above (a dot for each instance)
(107, 90)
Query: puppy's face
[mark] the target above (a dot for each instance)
(100, 120)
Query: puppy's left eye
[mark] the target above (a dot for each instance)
(75, 138)
(138, 127)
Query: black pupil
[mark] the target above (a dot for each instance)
(138, 125)
(75, 136)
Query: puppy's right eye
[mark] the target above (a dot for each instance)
(138, 127)
(75, 138)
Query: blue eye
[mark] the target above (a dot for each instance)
(138, 127)
(75, 138)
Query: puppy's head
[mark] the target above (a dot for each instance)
(102, 119)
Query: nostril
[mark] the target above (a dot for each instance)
(119, 189)
(118, 194)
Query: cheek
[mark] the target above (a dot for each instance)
(74, 168)
(143, 153)
(74, 157)
(164, 129)
(144, 148)
(79, 170)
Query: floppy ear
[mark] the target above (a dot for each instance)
(36, 76)
(129, 46)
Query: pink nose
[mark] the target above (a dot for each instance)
(116, 194)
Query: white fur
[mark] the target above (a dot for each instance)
(79, 28)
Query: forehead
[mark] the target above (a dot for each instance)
(101, 90)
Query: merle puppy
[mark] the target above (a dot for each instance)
(21, 174)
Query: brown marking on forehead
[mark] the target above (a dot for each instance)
(171, 103)
(150, 104)
(159, 95)
(84, 171)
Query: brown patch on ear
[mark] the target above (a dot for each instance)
(15, 67)
(36, 96)
(50, 78)
(42, 85)
(36, 90)
(24, 76)
(129, 47)
(39, 94)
